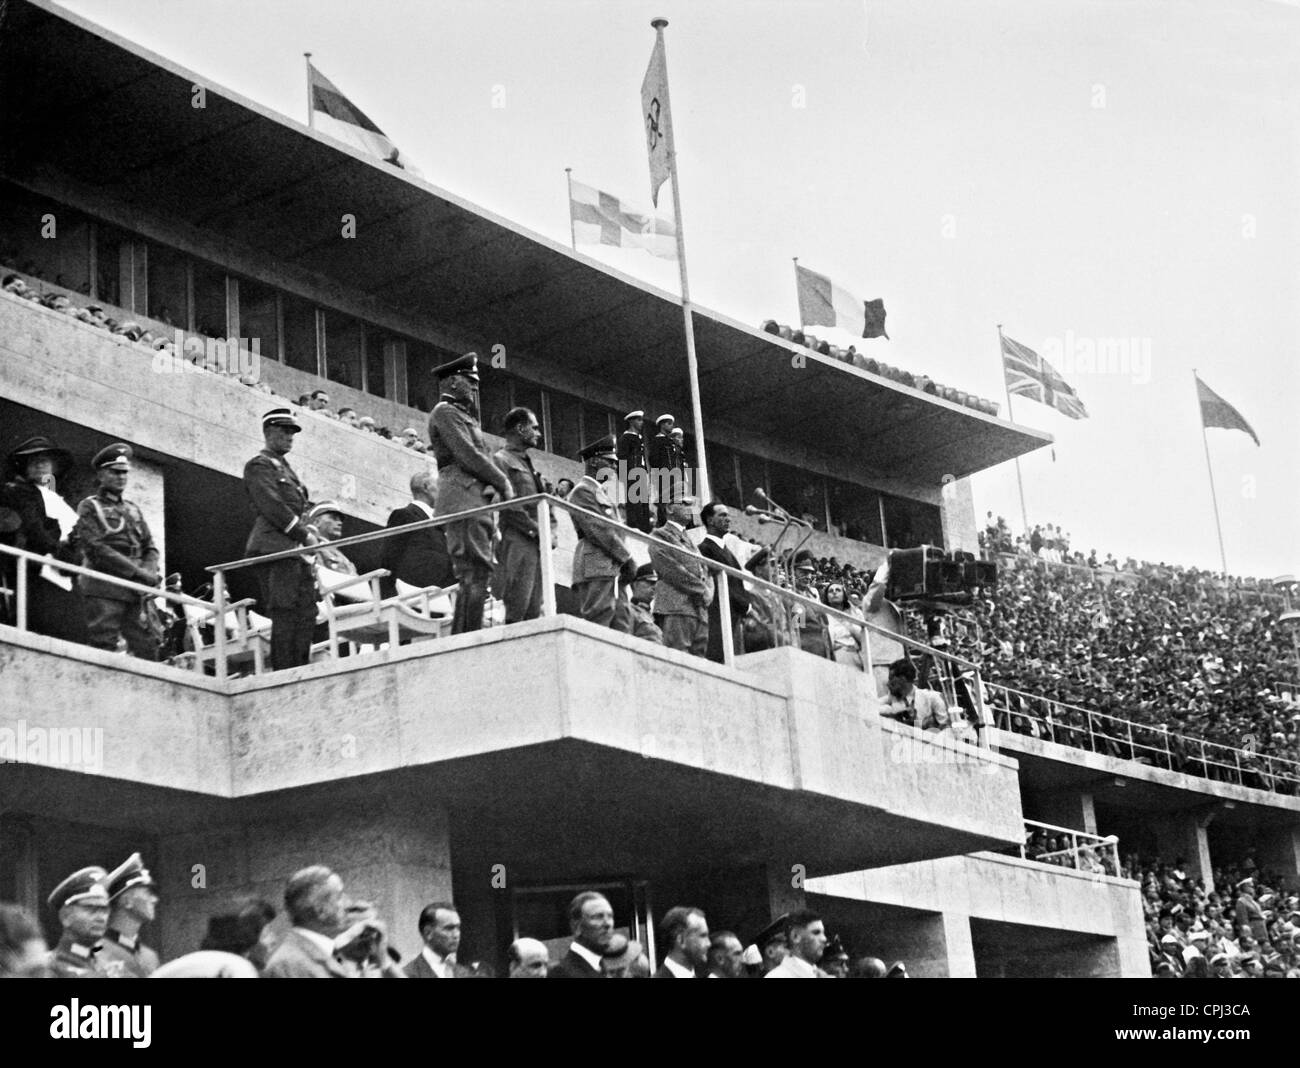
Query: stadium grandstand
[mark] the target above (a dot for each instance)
(1081, 769)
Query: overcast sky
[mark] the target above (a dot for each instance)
(1081, 171)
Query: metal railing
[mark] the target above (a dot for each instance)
(1066, 847)
(723, 575)
(1084, 728)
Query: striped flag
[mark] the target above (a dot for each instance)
(1029, 375)
(336, 115)
(602, 219)
(823, 303)
(1215, 411)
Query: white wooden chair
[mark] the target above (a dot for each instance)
(356, 612)
(248, 637)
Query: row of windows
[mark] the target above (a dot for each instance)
(120, 268)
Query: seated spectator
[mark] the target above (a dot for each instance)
(924, 709)
(348, 416)
(326, 519)
(411, 439)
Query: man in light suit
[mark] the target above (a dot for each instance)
(685, 589)
(419, 558)
(440, 931)
(601, 558)
(591, 918)
(467, 478)
(717, 522)
(313, 897)
(924, 709)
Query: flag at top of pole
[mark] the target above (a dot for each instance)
(333, 113)
(658, 121)
(1215, 411)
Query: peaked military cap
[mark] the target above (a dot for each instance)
(117, 457)
(325, 508)
(280, 417)
(645, 571)
(132, 873)
(466, 365)
(84, 885)
(601, 447)
(773, 931)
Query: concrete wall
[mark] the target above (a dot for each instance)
(987, 887)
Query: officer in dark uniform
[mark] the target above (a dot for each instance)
(665, 457)
(114, 538)
(632, 470)
(133, 900)
(279, 500)
(467, 478)
(81, 901)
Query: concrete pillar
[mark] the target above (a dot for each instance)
(957, 515)
(1183, 834)
(385, 849)
(959, 946)
(1069, 807)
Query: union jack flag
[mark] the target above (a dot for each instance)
(1029, 375)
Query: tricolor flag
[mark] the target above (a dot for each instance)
(823, 303)
(1029, 375)
(336, 115)
(1215, 411)
(601, 219)
(657, 120)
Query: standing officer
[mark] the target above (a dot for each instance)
(133, 901)
(685, 589)
(81, 901)
(115, 539)
(467, 478)
(279, 499)
(600, 557)
(665, 464)
(518, 578)
(632, 469)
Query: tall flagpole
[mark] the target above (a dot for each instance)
(798, 314)
(692, 367)
(311, 110)
(1024, 512)
(1214, 497)
(573, 235)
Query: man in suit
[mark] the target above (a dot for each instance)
(313, 897)
(717, 522)
(467, 478)
(665, 460)
(686, 934)
(518, 579)
(419, 558)
(440, 932)
(726, 956)
(527, 959)
(923, 709)
(591, 919)
(279, 501)
(685, 589)
(114, 538)
(633, 473)
(600, 558)
(133, 899)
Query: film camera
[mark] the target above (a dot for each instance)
(932, 576)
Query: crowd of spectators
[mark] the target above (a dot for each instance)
(1245, 928)
(873, 366)
(195, 350)
(104, 918)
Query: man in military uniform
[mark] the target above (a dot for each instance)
(467, 478)
(643, 593)
(114, 538)
(665, 458)
(133, 901)
(633, 473)
(601, 557)
(279, 499)
(518, 578)
(81, 901)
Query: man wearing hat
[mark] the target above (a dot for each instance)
(518, 578)
(35, 517)
(665, 459)
(767, 623)
(643, 593)
(1248, 911)
(685, 586)
(114, 538)
(81, 901)
(467, 478)
(600, 557)
(279, 502)
(809, 625)
(769, 946)
(835, 961)
(133, 901)
(633, 473)
(326, 519)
